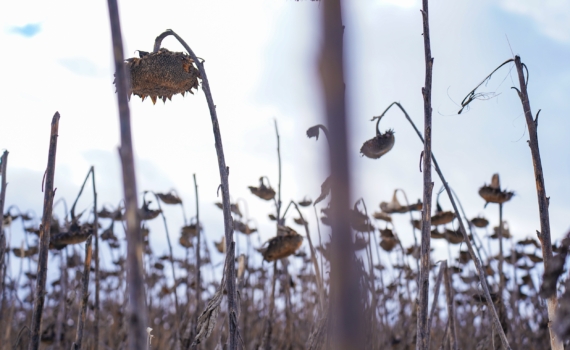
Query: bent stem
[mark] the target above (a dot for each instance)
(224, 173)
(478, 266)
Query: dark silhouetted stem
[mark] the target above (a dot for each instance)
(544, 234)
(136, 310)
(224, 173)
(3, 265)
(84, 294)
(346, 324)
(422, 342)
(49, 192)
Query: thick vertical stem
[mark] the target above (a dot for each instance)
(346, 328)
(49, 192)
(84, 294)
(544, 234)
(224, 173)
(422, 341)
(450, 308)
(136, 310)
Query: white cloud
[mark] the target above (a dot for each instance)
(551, 17)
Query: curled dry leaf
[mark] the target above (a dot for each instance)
(243, 228)
(162, 74)
(379, 145)
(221, 245)
(325, 190)
(169, 198)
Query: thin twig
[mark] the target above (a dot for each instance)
(450, 307)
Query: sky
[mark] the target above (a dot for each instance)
(260, 56)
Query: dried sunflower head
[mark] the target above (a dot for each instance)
(360, 242)
(480, 222)
(382, 216)
(162, 74)
(282, 246)
(388, 244)
(442, 218)
(305, 202)
(492, 193)
(264, 192)
(169, 198)
(379, 145)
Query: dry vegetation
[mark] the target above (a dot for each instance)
(492, 291)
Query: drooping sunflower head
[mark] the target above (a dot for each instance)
(162, 74)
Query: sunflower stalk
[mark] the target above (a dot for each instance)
(543, 201)
(136, 308)
(49, 193)
(224, 173)
(423, 336)
(346, 322)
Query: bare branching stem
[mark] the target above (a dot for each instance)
(49, 192)
(544, 235)
(136, 310)
(501, 256)
(3, 185)
(467, 239)
(97, 285)
(422, 342)
(224, 173)
(346, 326)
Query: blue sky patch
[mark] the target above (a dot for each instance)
(29, 30)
